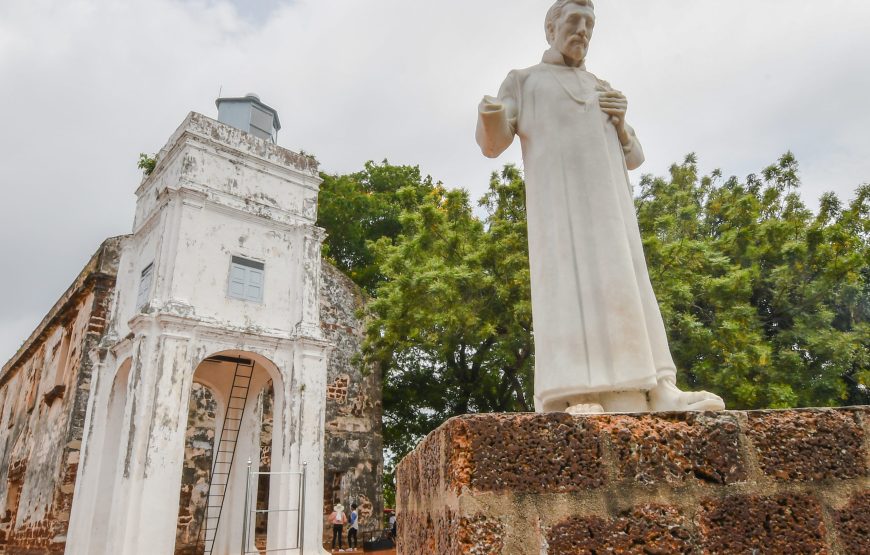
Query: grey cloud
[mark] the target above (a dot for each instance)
(87, 85)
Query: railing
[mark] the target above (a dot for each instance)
(251, 512)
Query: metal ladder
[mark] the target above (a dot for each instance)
(225, 453)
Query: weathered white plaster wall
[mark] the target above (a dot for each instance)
(216, 192)
(208, 201)
(43, 395)
(235, 169)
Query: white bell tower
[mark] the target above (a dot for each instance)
(222, 266)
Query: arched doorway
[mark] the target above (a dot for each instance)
(229, 423)
(110, 460)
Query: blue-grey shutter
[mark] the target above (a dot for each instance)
(144, 286)
(238, 279)
(254, 289)
(246, 280)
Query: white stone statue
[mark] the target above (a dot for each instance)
(600, 342)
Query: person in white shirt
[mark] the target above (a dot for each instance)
(337, 519)
(354, 527)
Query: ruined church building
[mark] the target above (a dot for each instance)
(196, 390)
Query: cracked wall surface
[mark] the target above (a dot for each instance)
(354, 442)
(43, 399)
(794, 481)
(198, 451)
(95, 403)
(44, 395)
(353, 453)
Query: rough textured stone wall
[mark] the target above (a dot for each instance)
(265, 404)
(354, 443)
(714, 483)
(43, 400)
(196, 473)
(44, 392)
(198, 461)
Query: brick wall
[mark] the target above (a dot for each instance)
(713, 483)
(43, 400)
(353, 451)
(196, 472)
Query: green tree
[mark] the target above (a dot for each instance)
(451, 324)
(362, 207)
(765, 302)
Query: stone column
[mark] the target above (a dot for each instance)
(310, 375)
(309, 326)
(85, 528)
(152, 473)
(137, 400)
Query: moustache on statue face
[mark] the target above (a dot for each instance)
(579, 40)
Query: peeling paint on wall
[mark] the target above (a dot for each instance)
(215, 193)
(44, 390)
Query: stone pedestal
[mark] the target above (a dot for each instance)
(719, 483)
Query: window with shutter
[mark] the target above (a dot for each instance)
(145, 286)
(246, 280)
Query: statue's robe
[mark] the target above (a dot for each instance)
(597, 324)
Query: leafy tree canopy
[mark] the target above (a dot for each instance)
(365, 206)
(766, 302)
(451, 323)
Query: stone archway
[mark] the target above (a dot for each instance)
(232, 398)
(143, 514)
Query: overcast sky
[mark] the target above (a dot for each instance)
(86, 85)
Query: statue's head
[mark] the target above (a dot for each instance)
(569, 26)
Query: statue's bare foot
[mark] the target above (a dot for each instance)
(667, 397)
(585, 408)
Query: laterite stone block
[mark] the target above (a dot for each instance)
(726, 483)
(809, 445)
(533, 454)
(853, 524)
(752, 524)
(642, 531)
(674, 448)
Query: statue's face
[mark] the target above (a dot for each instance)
(572, 32)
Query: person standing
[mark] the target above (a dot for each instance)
(338, 520)
(354, 527)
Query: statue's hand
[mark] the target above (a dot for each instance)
(491, 104)
(614, 104)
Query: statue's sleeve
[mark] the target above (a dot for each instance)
(497, 118)
(633, 151)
